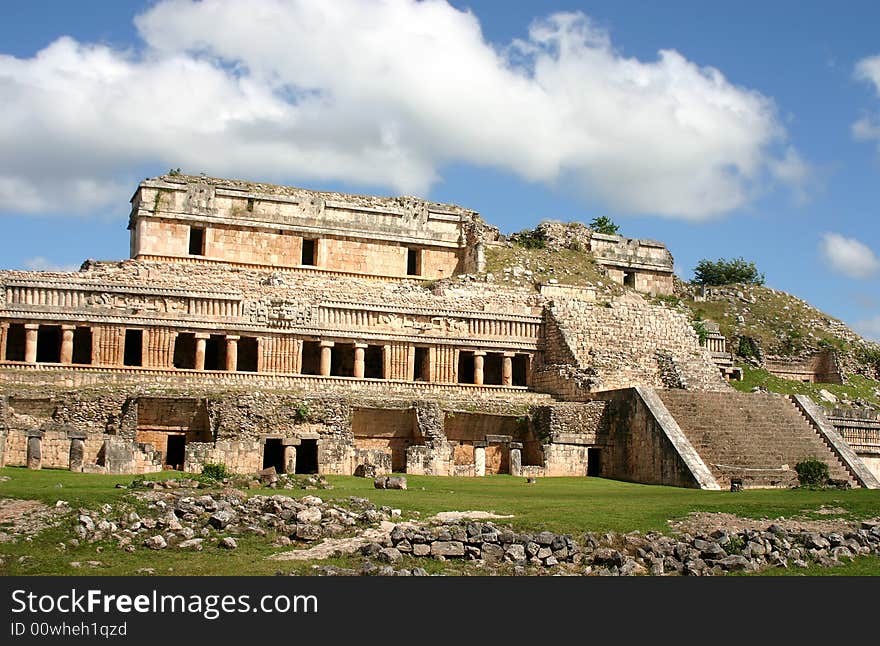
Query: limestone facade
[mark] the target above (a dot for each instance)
(216, 343)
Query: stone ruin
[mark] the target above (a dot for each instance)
(260, 326)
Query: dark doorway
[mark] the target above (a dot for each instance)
(248, 348)
(311, 358)
(421, 371)
(134, 348)
(185, 351)
(15, 339)
(82, 345)
(176, 451)
(520, 370)
(196, 241)
(594, 462)
(307, 457)
(49, 344)
(215, 352)
(629, 279)
(273, 454)
(465, 367)
(413, 262)
(342, 360)
(308, 252)
(374, 362)
(492, 363)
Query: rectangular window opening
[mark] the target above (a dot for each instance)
(49, 344)
(311, 358)
(248, 350)
(308, 252)
(629, 279)
(413, 262)
(134, 348)
(374, 362)
(422, 365)
(196, 241)
(15, 342)
(185, 351)
(82, 345)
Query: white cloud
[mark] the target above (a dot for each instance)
(41, 263)
(380, 92)
(848, 256)
(869, 327)
(868, 126)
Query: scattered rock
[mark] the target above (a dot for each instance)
(228, 543)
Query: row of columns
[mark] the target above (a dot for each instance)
(231, 351)
(34, 451)
(31, 332)
(515, 458)
(67, 331)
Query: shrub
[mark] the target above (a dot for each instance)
(530, 239)
(700, 329)
(727, 272)
(215, 471)
(604, 224)
(812, 473)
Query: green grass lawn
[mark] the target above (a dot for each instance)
(571, 505)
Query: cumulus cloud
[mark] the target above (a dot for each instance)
(868, 126)
(382, 93)
(848, 256)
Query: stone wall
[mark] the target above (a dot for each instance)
(822, 367)
(264, 225)
(638, 448)
(616, 345)
(861, 430)
(239, 456)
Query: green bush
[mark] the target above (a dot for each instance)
(700, 329)
(812, 473)
(215, 471)
(604, 224)
(727, 272)
(530, 239)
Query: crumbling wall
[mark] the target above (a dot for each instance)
(822, 367)
(617, 344)
(568, 430)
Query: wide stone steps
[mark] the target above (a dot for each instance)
(757, 438)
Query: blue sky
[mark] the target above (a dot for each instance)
(736, 129)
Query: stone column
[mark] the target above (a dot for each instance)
(359, 349)
(515, 459)
(326, 355)
(507, 369)
(4, 329)
(77, 451)
(479, 356)
(34, 449)
(67, 343)
(232, 352)
(290, 454)
(201, 341)
(30, 342)
(479, 460)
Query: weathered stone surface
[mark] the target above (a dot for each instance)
(222, 518)
(447, 548)
(156, 542)
(228, 543)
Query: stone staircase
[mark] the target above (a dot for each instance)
(756, 438)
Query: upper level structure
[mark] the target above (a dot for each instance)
(644, 265)
(204, 219)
